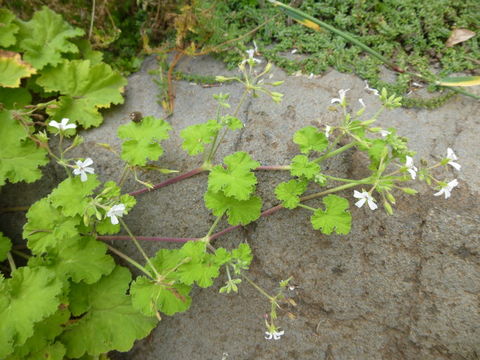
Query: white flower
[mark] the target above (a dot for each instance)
(294, 51)
(275, 335)
(364, 197)
(250, 53)
(341, 99)
(311, 76)
(368, 88)
(82, 168)
(116, 210)
(447, 189)
(362, 102)
(62, 126)
(327, 130)
(384, 133)
(452, 157)
(412, 169)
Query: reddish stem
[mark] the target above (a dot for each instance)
(169, 181)
(145, 238)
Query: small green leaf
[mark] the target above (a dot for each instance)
(73, 195)
(302, 167)
(141, 140)
(236, 180)
(232, 122)
(149, 296)
(195, 137)
(102, 309)
(201, 267)
(243, 254)
(238, 211)
(289, 192)
(5, 246)
(310, 139)
(334, 217)
(46, 37)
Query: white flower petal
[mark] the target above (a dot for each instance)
(54, 124)
(88, 161)
(451, 155)
(413, 173)
(358, 194)
(360, 202)
(113, 219)
(371, 203)
(83, 176)
(455, 165)
(362, 102)
(268, 336)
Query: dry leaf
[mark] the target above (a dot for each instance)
(459, 35)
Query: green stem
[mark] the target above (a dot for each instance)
(340, 179)
(131, 261)
(21, 254)
(335, 152)
(215, 223)
(332, 190)
(139, 247)
(307, 207)
(263, 292)
(123, 176)
(13, 267)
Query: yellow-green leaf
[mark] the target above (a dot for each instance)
(460, 81)
(12, 69)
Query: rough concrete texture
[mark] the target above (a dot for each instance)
(400, 287)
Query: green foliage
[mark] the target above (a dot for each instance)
(195, 137)
(45, 38)
(85, 88)
(141, 140)
(31, 295)
(302, 167)
(236, 179)
(289, 192)
(239, 211)
(9, 28)
(5, 246)
(310, 139)
(102, 309)
(335, 217)
(13, 69)
(20, 157)
(72, 195)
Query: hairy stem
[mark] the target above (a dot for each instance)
(146, 238)
(170, 181)
(335, 152)
(130, 260)
(13, 267)
(139, 247)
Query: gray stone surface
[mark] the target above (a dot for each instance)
(400, 287)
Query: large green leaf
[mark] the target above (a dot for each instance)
(85, 88)
(106, 319)
(45, 38)
(28, 297)
(9, 28)
(19, 156)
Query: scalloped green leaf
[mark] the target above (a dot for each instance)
(30, 296)
(149, 297)
(302, 167)
(239, 211)
(195, 137)
(85, 88)
(309, 139)
(335, 216)
(79, 258)
(142, 140)
(102, 309)
(13, 69)
(46, 227)
(42, 346)
(72, 195)
(289, 192)
(15, 98)
(46, 37)
(236, 179)
(20, 157)
(9, 28)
